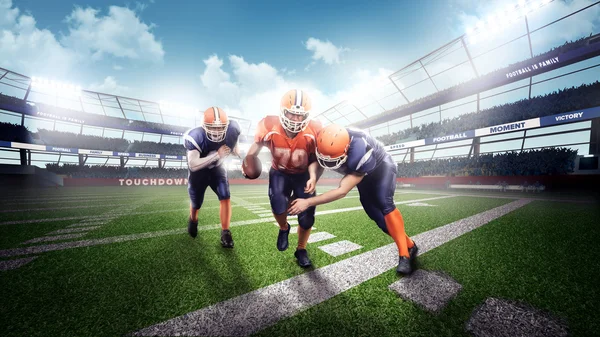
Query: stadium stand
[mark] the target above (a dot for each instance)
(97, 171)
(14, 133)
(569, 99)
(553, 161)
(475, 85)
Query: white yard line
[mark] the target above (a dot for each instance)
(130, 237)
(254, 311)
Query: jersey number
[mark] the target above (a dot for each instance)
(283, 154)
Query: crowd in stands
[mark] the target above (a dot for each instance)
(14, 133)
(97, 171)
(16, 104)
(17, 133)
(570, 99)
(552, 161)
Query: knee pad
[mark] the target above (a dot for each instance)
(306, 219)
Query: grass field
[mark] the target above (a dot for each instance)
(137, 267)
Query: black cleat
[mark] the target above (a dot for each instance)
(282, 239)
(193, 228)
(413, 252)
(302, 257)
(226, 239)
(404, 266)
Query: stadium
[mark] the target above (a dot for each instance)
(497, 157)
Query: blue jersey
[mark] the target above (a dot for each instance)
(196, 139)
(365, 154)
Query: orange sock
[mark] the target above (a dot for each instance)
(225, 213)
(303, 235)
(194, 213)
(395, 226)
(282, 221)
(409, 242)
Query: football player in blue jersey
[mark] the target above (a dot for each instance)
(365, 164)
(207, 146)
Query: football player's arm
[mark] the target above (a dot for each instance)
(254, 149)
(348, 182)
(313, 177)
(196, 163)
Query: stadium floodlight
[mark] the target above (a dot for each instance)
(501, 19)
(54, 87)
(177, 108)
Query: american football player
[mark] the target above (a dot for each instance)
(294, 171)
(365, 164)
(207, 146)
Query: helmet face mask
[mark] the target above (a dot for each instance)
(331, 163)
(215, 124)
(292, 125)
(295, 110)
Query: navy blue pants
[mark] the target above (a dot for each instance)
(283, 188)
(377, 190)
(198, 181)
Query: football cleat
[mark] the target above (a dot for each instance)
(404, 266)
(413, 252)
(193, 228)
(282, 239)
(302, 257)
(226, 239)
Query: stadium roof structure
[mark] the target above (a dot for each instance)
(73, 100)
(489, 56)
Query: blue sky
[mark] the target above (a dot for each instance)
(241, 55)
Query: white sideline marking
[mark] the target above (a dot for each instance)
(340, 248)
(254, 311)
(421, 204)
(54, 238)
(90, 223)
(17, 263)
(129, 237)
(320, 236)
(74, 230)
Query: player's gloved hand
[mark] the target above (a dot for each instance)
(311, 184)
(298, 206)
(224, 151)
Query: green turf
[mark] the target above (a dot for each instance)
(544, 254)
(114, 289)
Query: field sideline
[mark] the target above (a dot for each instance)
(114, 261)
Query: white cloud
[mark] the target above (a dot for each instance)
(109, 86)
(254, 90)
(117, 67)
(33, 51)
(121, 33)
(8, 15)
(26, 48)
(325, 51)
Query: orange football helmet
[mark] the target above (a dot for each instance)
(215, 124)
(297, 104)
(332, 146)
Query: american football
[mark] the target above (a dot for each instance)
(299, 168)
(252, 167)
